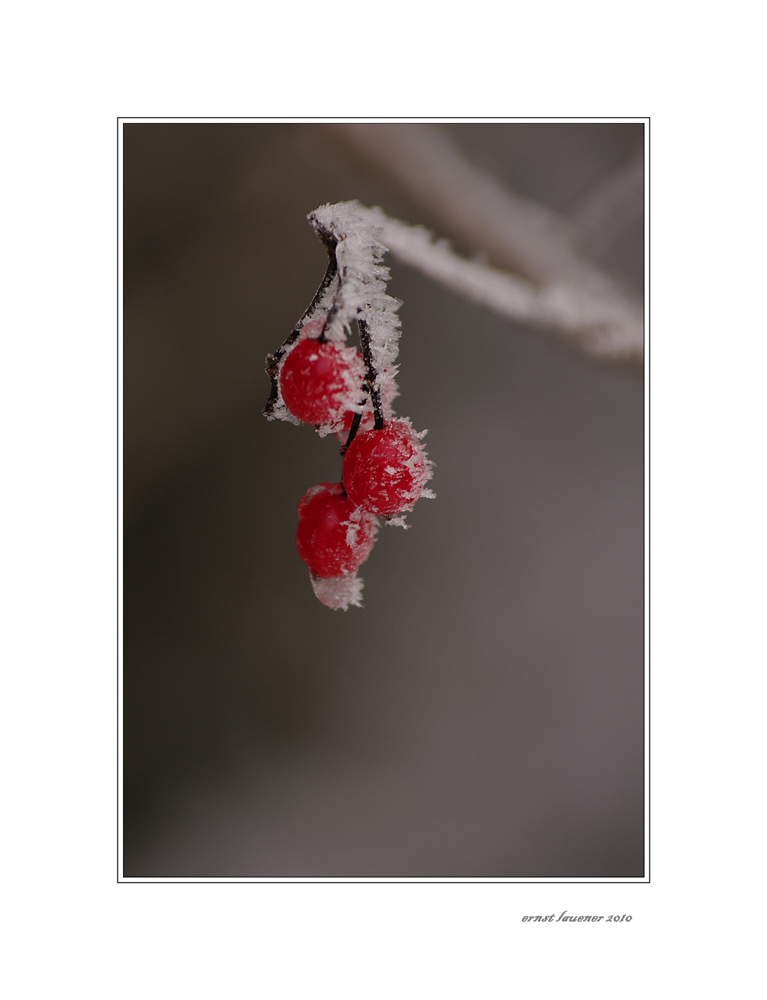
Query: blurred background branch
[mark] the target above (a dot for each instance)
(609, 206)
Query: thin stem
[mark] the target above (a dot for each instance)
(370, 387)
(371, 375)
(274, 361)
(356, 420)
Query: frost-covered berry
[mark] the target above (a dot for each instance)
(319, 381)
(385, 471)
(334, 536)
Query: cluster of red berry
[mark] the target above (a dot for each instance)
(384, 472)
(337, 389)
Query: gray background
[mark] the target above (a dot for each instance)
(482, 715)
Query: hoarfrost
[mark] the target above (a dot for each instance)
(354, 529)
(361, 292)
(399, 521)
(339, 592)
(355, 291)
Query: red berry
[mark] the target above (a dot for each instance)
(385, 471)
(320, 380)
(334, 537)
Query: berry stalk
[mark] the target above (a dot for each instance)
(274, 361)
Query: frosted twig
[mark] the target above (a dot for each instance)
(361, 294)
(352, 291)
(603, 327)
(561, 290)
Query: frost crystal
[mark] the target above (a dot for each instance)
(362, 278)
(339, 592)
(354, 288)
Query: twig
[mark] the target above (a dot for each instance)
(601, 327)
(561, 291)
(353, 290)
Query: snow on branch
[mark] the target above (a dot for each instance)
(361, 293)
(604, 327)
(353, 291)
(551, 285)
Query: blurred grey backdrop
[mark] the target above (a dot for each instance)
(482, 715)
